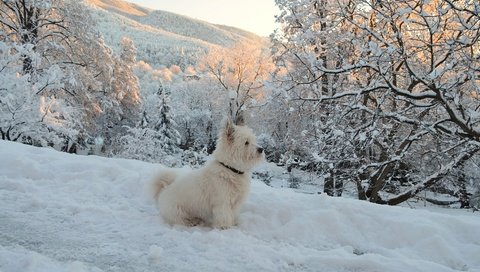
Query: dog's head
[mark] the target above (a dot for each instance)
(237, 146)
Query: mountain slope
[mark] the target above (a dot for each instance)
(63, 212)
(163, 38)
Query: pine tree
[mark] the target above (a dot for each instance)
(154, 138)
(165, 125)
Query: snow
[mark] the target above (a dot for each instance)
(62, 212)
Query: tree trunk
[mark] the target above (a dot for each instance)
(462, 193)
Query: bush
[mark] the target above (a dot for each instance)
(264, 176)
(294, 182)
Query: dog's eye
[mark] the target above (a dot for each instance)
(247, 143)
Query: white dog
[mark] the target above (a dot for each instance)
(212, 194)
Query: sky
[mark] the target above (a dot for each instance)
(256, 16)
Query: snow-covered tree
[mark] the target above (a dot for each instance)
(35, 105)
(71, 82)
(240, 71)
(165, 123)
(154, 138)
(199, 104)
(388, 90)
(122, 104)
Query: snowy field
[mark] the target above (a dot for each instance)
(61, 212)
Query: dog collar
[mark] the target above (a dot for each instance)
(231, 168)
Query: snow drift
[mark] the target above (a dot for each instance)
(62, 212)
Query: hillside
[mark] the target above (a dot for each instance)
(63, 212)
(163, 37)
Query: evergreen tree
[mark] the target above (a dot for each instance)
(165, 125)
(154, 138)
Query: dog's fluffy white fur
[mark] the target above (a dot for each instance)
(211, 195)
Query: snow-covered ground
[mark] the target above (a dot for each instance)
(61, 212)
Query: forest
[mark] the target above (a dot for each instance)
(378, 98)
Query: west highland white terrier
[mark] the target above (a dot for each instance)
(211, 195)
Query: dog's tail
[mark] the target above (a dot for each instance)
(162, 180)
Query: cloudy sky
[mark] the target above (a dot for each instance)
(256, 16)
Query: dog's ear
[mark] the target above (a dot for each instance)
(240, 120)
(228, 129)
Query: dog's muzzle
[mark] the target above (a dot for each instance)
(259, 149)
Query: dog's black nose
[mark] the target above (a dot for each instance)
(260, 150)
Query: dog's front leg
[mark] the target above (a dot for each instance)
(222, 217)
